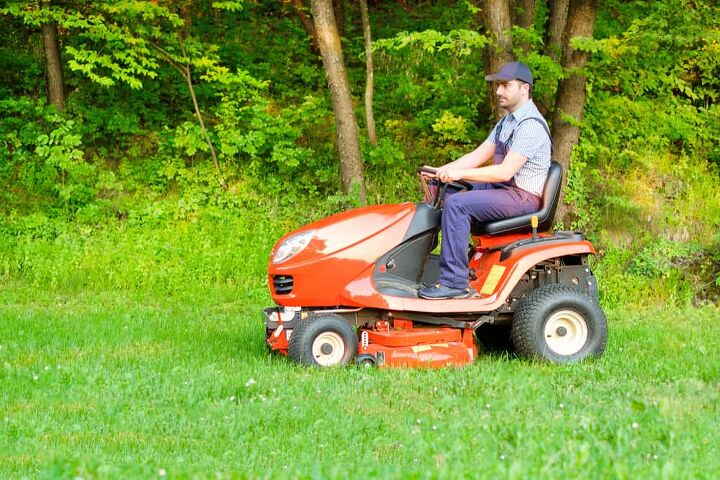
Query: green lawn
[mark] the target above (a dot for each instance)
(137, 351)
(111, 385)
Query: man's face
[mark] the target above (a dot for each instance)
(512, 94)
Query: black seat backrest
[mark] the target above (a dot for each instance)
(521, 224)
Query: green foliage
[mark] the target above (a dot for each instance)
(452, 128)
(188, 139)
(129, 149)
(433, 99)
(43, 155)
(59, 151)
(662, 258)
(644, 174)
(252, 130)
(456, 42)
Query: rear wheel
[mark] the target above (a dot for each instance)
(559, 324)
(323, 340)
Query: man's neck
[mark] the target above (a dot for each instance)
(518, 106)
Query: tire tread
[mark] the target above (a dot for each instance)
(298, 343)
(526, 318)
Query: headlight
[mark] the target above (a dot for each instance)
(292, 246)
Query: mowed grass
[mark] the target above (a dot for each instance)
(158, 369)
(107, 386)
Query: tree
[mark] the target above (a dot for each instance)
(348, 143)
(369, 85)
(300, 10)
(523, 15)
(555, 28)
(496, 17)
(53, 65)
(571, 90)
(339, 12)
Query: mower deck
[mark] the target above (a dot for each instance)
(410, 346)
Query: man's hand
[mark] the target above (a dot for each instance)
(447, 174)
(426, 174)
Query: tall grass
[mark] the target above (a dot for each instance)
(175, 258)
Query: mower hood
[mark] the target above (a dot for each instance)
(337, 235)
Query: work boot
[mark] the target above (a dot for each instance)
(440, 292)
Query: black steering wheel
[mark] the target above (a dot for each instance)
(460, 185)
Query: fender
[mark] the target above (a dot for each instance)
(499, 272)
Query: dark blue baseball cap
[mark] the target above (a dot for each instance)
(512, 71)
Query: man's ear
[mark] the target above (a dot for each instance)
(526, 86)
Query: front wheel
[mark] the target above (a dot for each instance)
(559, 324)
(323, 340)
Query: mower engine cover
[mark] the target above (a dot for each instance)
(311, 266)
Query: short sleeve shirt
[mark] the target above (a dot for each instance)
(531, 140)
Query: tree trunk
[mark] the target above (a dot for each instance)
(523, 15)
(571, 90)
(53, 66)
(307, 23)
(556, 27)
(345, 122)
(496, 17)
(369, 84)
(185, 70)
(339, 11)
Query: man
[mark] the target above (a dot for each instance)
(512, 185)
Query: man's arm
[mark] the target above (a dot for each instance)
(474, 159)
(490, 174)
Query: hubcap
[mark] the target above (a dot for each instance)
(566, 332)
(328, 349)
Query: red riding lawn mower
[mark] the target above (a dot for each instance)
(346, 288)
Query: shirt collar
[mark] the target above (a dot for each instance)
(522, 112)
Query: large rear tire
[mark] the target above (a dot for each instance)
(323, 340)
(559, 324)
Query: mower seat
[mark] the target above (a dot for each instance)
(521, 224)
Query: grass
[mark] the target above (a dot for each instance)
(107, 386)
(158, 368)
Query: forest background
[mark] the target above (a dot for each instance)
(151, 154)
(121, 114)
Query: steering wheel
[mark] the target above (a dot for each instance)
(436, 199)
(459, 184)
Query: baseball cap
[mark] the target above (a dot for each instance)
(512, 71)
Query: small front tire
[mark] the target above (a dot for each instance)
(366, 360)
(323, 340)
(559, 324)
